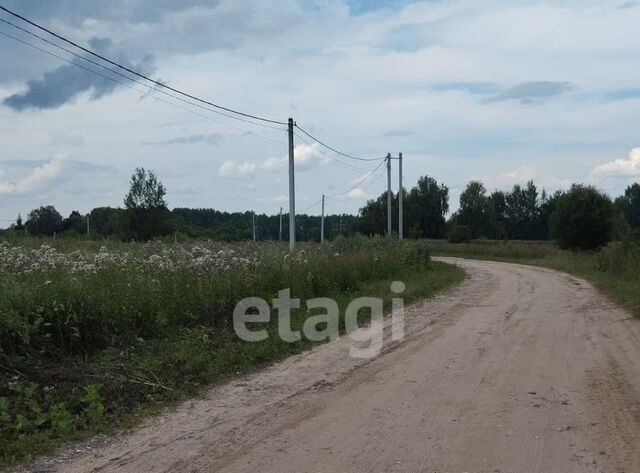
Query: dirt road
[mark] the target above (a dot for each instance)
(519, 370)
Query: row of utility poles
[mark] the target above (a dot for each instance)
(292, 197)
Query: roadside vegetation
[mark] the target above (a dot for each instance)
(614, 269)
(90, 335)
(111, 314)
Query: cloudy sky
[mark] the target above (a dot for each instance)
(501, 91)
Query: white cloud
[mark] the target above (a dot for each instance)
(619, 168)
(235, 169)
(357, 193)
(506, 180)
(37, 179)
(306, 157)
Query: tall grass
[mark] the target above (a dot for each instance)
(89, 333)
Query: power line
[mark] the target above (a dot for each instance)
(310, 207)
(206, 117)
(367, 177)
(142, 76)
(373, 179)
(339, 163)
(335, 150)
(95, 63)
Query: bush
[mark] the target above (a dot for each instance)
(583, 219)
(460, 234)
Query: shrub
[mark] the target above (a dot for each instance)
(460, 234)
(583, 219)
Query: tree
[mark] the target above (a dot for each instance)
(44, 221)
(499, 202)
(104, 220)
(476, 211)
(19, 225)
(146, 214)
(373, 216)
(583, 219)
(427, 205)
(522, 213)
(75, 223)
(629, 205)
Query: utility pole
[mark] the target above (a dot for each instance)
(322, 222)
(280, 223)
(253, 224)
(389, 195)
(400, 201)
(292, 191)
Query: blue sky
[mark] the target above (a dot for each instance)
(482, 89)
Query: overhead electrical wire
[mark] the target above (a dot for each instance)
(335, 150)
(137, 81)
(310, 207)
(88, 69)
(339, 163)
(142, 76)
(160, 86)
(366, 178)
(373, 179)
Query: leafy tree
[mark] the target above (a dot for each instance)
(146, 214)
(476, 211)
(547, 207)
(522, 212)
(75, 223)
(427, 205)
(373, 216)
(583, 218)
(19, 224)
(499, 202)
(44, 221)
(104, 220)
(629, 205)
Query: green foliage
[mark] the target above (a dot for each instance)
(33, 416)
(425, 209)
(146, 214)
(583, 219)
(615, 268)
(75, 223)
(460, 234)
(629, 205)
(44, 221)
(477, 211)
(90, 335)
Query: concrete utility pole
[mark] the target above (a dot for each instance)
(389, 230)
(322, 222)
(280, 223)
(253, 224)
(400, 201)
(292, 191)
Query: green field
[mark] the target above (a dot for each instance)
(94, 335)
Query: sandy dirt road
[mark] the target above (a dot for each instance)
(519, 370)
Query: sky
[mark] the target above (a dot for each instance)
(498, 91)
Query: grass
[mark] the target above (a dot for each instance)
(615, 270)
(93, 338)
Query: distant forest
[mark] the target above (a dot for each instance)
(580, 217)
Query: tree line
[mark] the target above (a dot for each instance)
(581, 217)
(146, 215)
